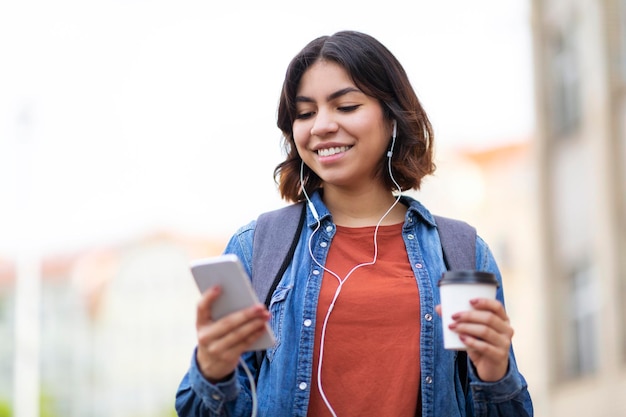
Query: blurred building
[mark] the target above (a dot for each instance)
(116, 332)
(495, 189)
(580, 75)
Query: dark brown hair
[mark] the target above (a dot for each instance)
(377, 73)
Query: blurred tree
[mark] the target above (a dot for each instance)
(170, 412)
(5, 409)
(47, 406)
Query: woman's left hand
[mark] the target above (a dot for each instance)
(487, 333)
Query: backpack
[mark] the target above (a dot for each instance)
(277, 234)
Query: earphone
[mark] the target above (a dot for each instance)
(390, 153)
(393, 140)
(339, 279)
(310, 203)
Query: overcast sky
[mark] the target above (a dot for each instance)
(123, 116)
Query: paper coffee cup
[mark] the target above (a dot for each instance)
(456, 289)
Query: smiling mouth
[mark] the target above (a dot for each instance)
(332, 151)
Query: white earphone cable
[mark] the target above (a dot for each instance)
(252, 387)
(339, 279)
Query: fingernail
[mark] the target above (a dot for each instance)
(474, 301)
(456, 316)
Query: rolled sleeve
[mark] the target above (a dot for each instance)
(214, 396)
(505, 389)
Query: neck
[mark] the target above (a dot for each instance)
(363, 208)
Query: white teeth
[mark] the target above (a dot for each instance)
(332, 151)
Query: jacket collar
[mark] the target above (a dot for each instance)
(415, 209)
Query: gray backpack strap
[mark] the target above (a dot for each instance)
(458, 241)
(275, 239)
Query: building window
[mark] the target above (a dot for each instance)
(564, 74)
(581, 333)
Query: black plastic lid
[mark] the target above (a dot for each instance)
(467, 277)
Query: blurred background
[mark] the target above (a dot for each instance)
(138, 135)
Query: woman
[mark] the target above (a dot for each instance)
(353, 312)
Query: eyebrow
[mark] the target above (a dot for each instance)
(336, 94)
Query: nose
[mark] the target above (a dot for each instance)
(324, 124)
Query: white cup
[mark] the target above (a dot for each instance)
(456, 289)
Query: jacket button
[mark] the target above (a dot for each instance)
(428, 317)
(429, 380)
(307, 323)
(302, 386)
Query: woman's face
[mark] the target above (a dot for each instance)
(339, 132)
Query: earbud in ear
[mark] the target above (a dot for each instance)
(393, 138)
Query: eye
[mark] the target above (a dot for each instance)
(304, 115)
(348, 109)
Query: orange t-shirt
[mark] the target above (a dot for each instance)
(371, 360)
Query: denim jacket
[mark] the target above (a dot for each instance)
(284, 377)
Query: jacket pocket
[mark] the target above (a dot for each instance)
(277, 313)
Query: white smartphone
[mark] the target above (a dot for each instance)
(237, 293)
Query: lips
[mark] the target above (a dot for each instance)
(332, 151)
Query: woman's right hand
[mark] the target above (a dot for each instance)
(221, 342)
